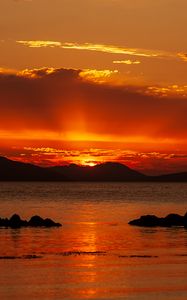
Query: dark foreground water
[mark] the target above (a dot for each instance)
(95, 254)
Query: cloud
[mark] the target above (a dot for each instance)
(145, 161)
(111, 49)
(7, 71)
(127, 62)
(165, 91)
(183, 56)
(69, 105)
(98, 75)
(40, 44)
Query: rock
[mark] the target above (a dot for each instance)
(152, 221)
(147, 221)
(173, 220)
(15, 221)
(36, 221)
(4, 222)
(51, 223)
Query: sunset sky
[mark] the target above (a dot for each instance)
(90, 81)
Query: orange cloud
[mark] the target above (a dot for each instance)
(98, 75)
(166, 91)
(62, 104)
(111, 49)
(40, 44)
(183, 56)
(127, 62)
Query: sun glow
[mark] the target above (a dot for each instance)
(88, 163)
(91, 164)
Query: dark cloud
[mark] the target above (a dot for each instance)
(62, 100)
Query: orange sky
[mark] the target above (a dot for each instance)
(79, 88)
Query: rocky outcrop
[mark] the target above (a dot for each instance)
(154, 221)
(36, 221)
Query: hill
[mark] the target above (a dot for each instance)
(109, 171)
(103, 172)
(18, 171)
(175, 177)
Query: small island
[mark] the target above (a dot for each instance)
(36, 221)
(154, 221)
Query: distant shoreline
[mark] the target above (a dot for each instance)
(13, 171)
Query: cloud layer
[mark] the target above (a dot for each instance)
(64, 101)
(111, 49)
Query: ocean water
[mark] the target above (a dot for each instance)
(95, 254)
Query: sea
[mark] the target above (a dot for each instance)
(95, 254)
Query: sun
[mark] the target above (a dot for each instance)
(88, 163)
(91, 164)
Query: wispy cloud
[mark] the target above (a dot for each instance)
(100, 48)
(183, 56)
(111, 49)
(7, 71)
(99, 76)
(127, 62)
(40, 44)
(165, 91)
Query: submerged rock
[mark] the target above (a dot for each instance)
(36, 221)
(153, 221)
(16, 222)
(50, 223)
(173, 220)
(148, 220)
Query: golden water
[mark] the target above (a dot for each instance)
(95, 254)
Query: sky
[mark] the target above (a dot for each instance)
(90, 81)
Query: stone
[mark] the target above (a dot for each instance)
(147, 221)
(169, 221)
(36, 221)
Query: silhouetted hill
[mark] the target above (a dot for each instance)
(18, 171)
(103, 172)
(176, 177)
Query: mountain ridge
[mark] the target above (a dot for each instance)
(108, 171)
(11, 170)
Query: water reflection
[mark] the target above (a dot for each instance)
(88, 258)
